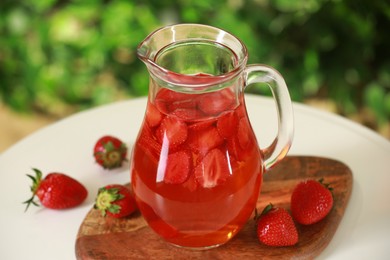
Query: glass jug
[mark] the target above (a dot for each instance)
(196, 167)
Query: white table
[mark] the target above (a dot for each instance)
(66, 146)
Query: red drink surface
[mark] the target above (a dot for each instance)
(196, 167)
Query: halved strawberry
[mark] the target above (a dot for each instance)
(168, 100)
(244, 133)
(178, 167)
(217, 102)
(243, 144)
(191, 184)
(227, 124)
(184, 101)
(162, 106)
(153, 115)
(241, 109)
(204, 140)
(234, 149)
(213, 170)
(201, 125)
(148, 144)
(171, 96)
(172, 131)
(188, 114)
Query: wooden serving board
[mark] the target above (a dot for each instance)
(131, 238)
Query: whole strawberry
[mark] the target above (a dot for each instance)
(275, 227)
(115, 200)
(311, 201)
(56, 191)
(110, 152)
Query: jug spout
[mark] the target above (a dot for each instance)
(148, 48)
(193, 55)
(143, 51)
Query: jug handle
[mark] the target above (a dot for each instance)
(278, 149)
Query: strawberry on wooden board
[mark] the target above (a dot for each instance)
(275, 227)
(115, 200)
(110, 152)
(56, 191)
(311, 201)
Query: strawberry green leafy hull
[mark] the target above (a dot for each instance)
(115, 200)
(110, 152)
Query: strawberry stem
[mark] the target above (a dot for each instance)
(112, 157)
(267, 209)
(34, 188)
(325, 184)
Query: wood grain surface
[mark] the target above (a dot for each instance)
(131, 238)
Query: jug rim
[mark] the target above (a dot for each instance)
(188, 80)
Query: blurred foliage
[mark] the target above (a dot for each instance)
(59, 56)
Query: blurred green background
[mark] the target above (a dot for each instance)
(58, 57)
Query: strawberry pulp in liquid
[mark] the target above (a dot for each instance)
(196, 167)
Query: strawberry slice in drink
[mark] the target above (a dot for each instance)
(188, 114)
(217, 102)
(201, 125)
(172, 131)
(213, 170)
(153, 116)
(148, 144)
(204, 140)
(244, 133)
(186, 101)
(236, 153)
(227, 124)
(191, 184)
(178, 167)
(168, 100)
(243, 143)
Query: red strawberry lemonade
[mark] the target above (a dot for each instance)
(196, 167)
